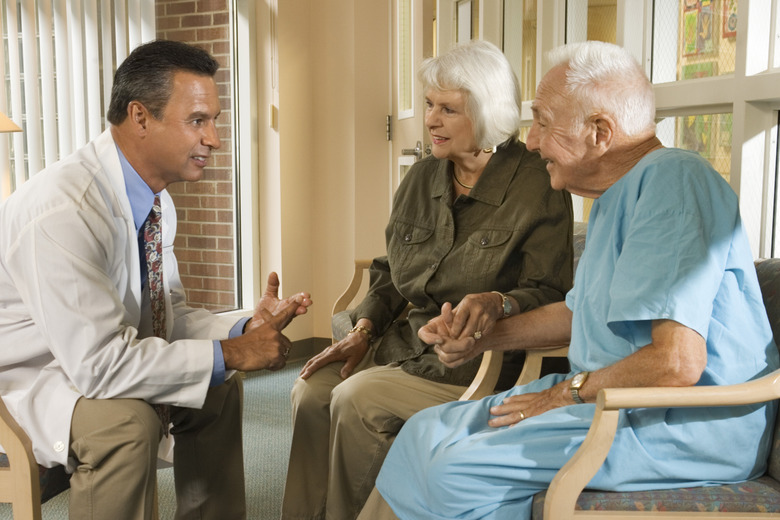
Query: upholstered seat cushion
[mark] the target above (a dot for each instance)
(340, 325)
(53, 481)
(756, 496)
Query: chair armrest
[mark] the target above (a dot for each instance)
(532, 367)
(580, 469)
(757, 391)
(354, 286)
(18, 483)
(484, 383)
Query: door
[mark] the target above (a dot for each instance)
(413, 29)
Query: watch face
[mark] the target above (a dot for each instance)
(577, 380)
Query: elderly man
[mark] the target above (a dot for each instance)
(99, 353)
(665, 295)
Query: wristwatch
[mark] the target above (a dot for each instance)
(505, 304)
(576, 383)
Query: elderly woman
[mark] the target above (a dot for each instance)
(476, 225)
(666, 295)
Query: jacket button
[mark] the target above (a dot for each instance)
(484, 241)
(408, 237)
(59, 446)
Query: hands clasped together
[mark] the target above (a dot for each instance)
(263, 346)
(455, 338)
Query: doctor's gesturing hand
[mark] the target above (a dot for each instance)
(263, 346)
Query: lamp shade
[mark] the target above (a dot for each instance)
(6, 125)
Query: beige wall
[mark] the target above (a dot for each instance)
(330, 201)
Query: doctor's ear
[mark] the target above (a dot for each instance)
(138, 116)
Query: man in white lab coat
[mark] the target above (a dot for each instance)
(80, 365)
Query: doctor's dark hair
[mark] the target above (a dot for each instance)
(146, 76)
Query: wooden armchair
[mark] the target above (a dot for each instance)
(567, 497)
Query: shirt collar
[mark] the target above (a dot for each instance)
(140, 194)
(494, 182)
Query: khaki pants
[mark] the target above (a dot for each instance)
(376, 508)
(115, 441)
(342, 430)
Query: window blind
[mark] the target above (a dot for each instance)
(59, 58)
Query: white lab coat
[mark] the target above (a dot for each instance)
(73, 321)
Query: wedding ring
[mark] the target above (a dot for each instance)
(477, 334)
(522, 416)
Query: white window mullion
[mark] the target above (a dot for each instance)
(32, 94)
(48, 105)
(120, 29)
(93, 106)
(62, 64)
(79, 90)
(106, 44)
(16, 111)
(148, 28)
(134, 37)
(6, 185)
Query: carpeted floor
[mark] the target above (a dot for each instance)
(267, 429)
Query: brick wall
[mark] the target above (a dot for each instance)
(205, 237)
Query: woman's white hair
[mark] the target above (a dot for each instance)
(481, 71)
(604, 77)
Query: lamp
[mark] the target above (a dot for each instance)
(6, 125)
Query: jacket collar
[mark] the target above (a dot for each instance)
(494, 182)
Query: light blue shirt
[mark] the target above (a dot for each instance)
(141, 201)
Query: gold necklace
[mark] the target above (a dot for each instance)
(461, 183)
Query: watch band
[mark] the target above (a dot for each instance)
(576, 383)
(506, 305)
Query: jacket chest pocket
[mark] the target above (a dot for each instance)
(485, 254)
(408, 245)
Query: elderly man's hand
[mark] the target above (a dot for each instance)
(452, 350)
(476, 315)
(271, 303)
(519, 407)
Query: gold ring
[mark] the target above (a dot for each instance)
(477, 334)
(522, 416)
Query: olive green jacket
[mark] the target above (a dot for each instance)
(512, 234)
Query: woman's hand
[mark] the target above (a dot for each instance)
(516, 408)
(351, 350)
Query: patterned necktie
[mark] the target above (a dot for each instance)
(154, 280)
(154, 269)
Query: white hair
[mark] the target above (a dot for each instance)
(604, 77)
(481, 71)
